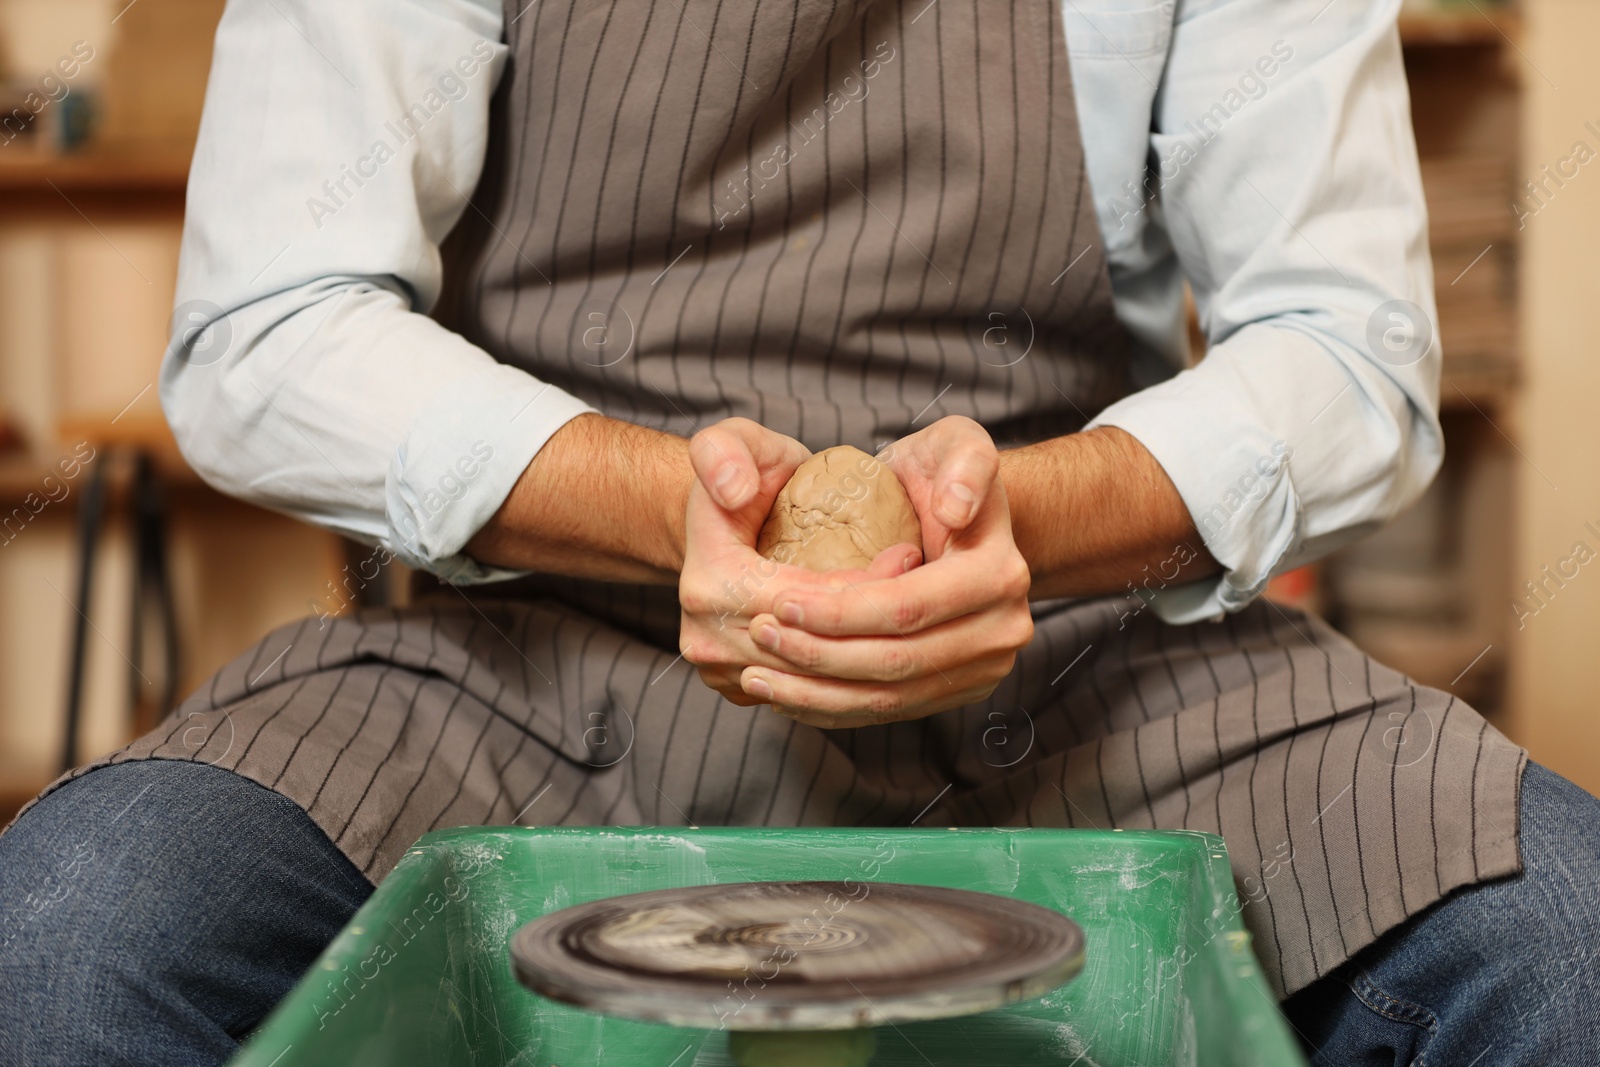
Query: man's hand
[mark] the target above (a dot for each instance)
(855, 650)
(608, 500)
(739, 468)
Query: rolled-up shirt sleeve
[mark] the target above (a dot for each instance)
(338, 147)
(1286, 181)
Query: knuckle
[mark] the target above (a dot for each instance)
(906, 615)
(804, 716)
(696, 598)
(882, 702)
(822, 616)
(965, 424)
(1003, 667)
(703, 442)
(710, 654)
(897, 662)
(1015, 577)
(801, 652)
(1020, 631)
(837, 619)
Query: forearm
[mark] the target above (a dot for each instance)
(1091, 511)
(603, 499)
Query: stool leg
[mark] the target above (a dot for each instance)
(151, 582)
(91, 510)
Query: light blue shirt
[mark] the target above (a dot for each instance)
(1260, 149)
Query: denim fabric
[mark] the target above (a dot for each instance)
(153, 912)
(1500, 975)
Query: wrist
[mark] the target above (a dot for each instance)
(1040, 497)
(1090, 510)
(602, 499)
(635, 489)
(669, 484)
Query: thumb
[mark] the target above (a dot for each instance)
(733, 459)
(894, 561)
(968, 464)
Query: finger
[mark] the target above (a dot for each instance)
(832, 704)
(733, 660)
(934, 593)
(721, 665)
(737, 458)
(973, 639)
(726, 683)
(730, 651)
(968, 464)
(725, 466)
(950, 468)
(890, 563)
(715, 609)
(894, 561)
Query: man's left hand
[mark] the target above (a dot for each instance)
(937, 637)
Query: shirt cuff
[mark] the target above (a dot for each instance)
(459, 461)
(1234, 477)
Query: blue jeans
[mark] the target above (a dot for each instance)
(154, 912)
(1499, 974)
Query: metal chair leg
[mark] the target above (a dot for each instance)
(91, 513)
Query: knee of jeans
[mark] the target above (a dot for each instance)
(1556, 915)
(164, 881)
(1533, 936)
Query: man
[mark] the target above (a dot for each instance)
(667, 250)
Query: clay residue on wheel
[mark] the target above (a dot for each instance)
(841, 508)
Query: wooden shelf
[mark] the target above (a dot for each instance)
(147, 432)
(1483, 25)
(94, 171)
(95, 184)
(1485, 386)
(1467, 199)
(23, 473)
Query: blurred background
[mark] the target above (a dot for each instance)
(124, 581)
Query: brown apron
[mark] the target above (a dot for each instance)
(843, 220)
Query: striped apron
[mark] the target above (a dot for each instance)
(841, 219)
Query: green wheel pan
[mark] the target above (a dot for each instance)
(423, 973)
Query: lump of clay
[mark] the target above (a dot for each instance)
(841, 508)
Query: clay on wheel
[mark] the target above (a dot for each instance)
(841, 508)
